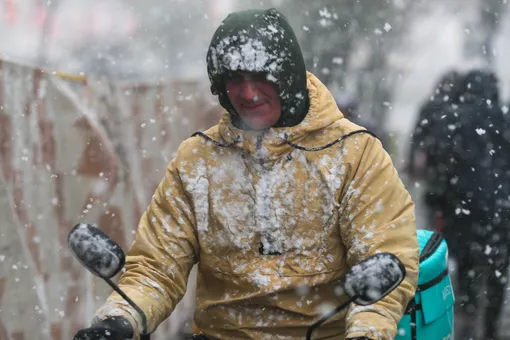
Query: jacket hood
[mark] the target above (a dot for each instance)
(450, 86)
(259, 41)
(481, 86)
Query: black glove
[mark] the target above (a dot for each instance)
(112, 328)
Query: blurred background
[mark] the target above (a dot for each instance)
(96, 95)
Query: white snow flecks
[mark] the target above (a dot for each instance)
(259, 279)
(265, 215)
(198, 185)
(481, 131)
(249, 55)
(233, 184)
(151, 283)
(289, 205)
(202, 205)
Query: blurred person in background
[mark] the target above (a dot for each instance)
(427, 139)
(470, 148)
(275, 202)
(445, 95)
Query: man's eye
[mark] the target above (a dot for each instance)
(260, 77)
(236, 81)
(236, 78)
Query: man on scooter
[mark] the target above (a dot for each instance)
(274, 203)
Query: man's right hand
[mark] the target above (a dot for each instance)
(112, 328)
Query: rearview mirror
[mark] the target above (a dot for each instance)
(368, 282)
(372, 279)
(96, 251)
(104, 258)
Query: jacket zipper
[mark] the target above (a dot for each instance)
(260, 140)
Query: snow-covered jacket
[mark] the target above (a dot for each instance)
(274, 219)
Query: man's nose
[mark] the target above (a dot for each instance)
(248, 90)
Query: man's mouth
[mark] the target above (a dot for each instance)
(254, 105)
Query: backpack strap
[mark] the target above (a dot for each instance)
(430, 247)
(433, 282)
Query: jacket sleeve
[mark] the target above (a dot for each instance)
(160, 259)
(378, 216)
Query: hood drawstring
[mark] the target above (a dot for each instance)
(286, 136)
(319, 148)
(215, 142)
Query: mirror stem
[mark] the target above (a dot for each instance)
(326, 317)
(144, 335)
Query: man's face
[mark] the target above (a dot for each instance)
(255, 99)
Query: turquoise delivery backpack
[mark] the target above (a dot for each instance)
(429, 316)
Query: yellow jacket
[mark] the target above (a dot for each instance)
(273, 228)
